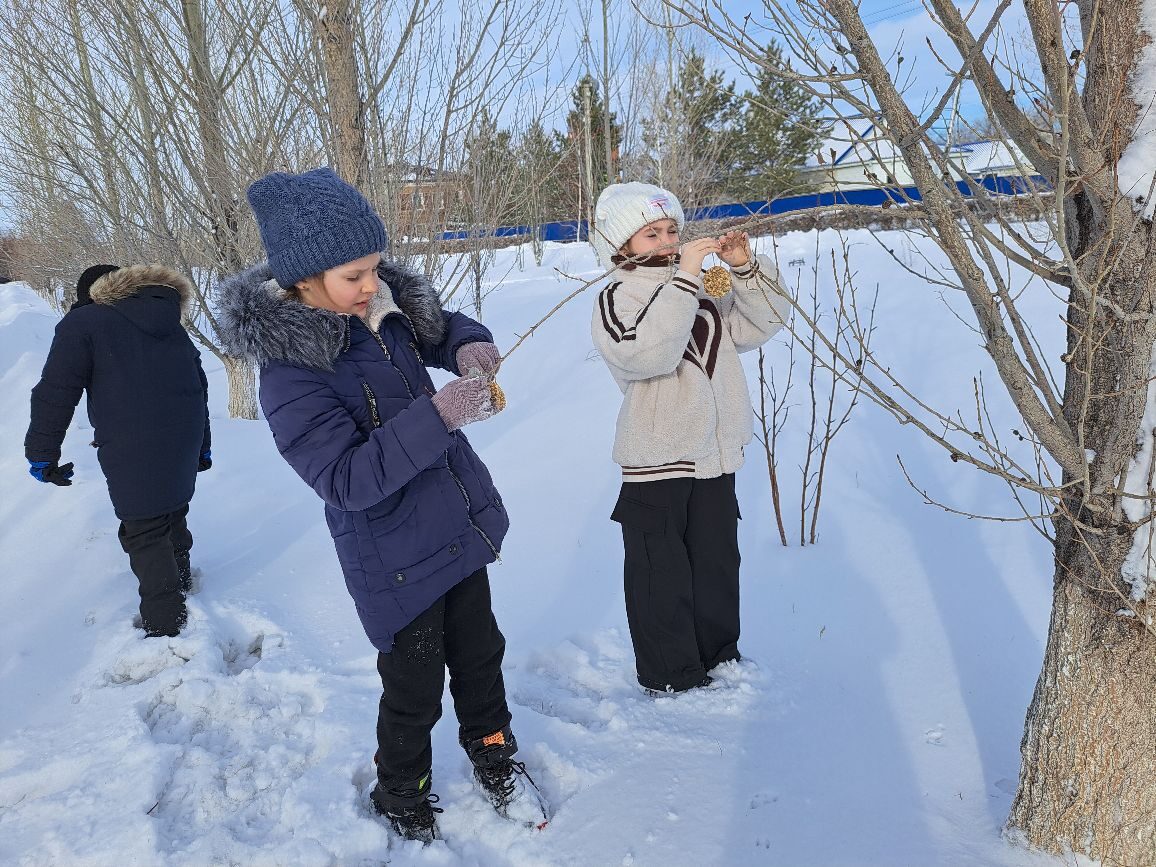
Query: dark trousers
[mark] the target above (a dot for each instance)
(151, 544)
(682, 577)
(458, 632)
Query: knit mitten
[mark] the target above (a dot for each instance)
(479, 356)
(464, 400)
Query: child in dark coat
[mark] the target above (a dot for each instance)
(343, 339)
(148, 404)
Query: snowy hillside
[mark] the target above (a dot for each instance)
(876, 721)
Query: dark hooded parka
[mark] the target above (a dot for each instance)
(147, 392)
(411, 507)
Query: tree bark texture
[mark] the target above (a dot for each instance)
(1088, 773)
(1089, 745)
(242, 377)
(335, 32)
(215, 174)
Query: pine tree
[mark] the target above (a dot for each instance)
(780, 128)
(541, 194)
(576, 132)
(490, 167)
(710, 112)
(692, 133)
(488, 199)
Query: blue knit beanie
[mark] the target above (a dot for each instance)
(313, 222)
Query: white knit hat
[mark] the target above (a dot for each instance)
(623, 209)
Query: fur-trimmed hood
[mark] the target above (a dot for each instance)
(151, 297)
(259, 320)
(126, 282)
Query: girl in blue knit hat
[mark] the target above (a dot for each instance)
(343, 339)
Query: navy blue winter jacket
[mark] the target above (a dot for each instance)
(411, 507)
(147, 393)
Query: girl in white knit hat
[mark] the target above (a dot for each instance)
(686, 416)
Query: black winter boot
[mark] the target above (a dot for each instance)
(410, 810)
(164, 631)
(510, 789)
(656, 693)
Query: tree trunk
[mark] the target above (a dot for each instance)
(1088, 775)
(215, 173)
(242, 387)
(335, 31)
(1089, 746)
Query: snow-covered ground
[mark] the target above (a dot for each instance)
(876, 720)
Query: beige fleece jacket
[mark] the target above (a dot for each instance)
(673, 350)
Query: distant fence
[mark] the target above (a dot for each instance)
(576, 230)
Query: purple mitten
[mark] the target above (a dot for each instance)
(479, 356)
(464, 400)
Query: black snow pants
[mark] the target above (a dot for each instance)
(151, 544)
(458, 632)
(682, 577)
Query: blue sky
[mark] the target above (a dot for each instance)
(905, 24)
(893, 24)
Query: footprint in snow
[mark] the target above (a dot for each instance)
(580, 681)
(549, 698)
(237, 744)
(241, 655)
(141, 660)
(761, 799)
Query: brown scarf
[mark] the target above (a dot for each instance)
(625, 264)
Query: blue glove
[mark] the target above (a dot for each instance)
(50, 473)
(206, 461)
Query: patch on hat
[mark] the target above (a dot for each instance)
(659, 202)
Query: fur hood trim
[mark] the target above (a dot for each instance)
(417, 299)
(126, 282)
(261, 321)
